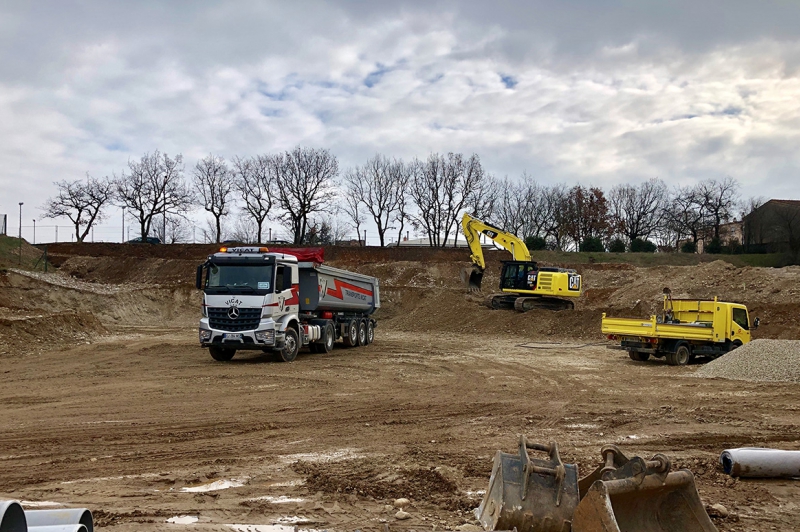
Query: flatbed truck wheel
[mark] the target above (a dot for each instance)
(223, 354)
(680, 357)
(639, 357)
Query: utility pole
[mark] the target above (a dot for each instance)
(365, 238)
(20, 231)
(56, 234)
(123, 224)
(34, 231)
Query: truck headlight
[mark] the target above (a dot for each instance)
(266, 337)
(205, 335)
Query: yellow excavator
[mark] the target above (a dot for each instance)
(524, 285)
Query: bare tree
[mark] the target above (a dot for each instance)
(637, 211)
(176, 227)
(719, 200)
(304, 179)
(586, 215)
(82, 202)
(255, 187)
(441, 190)
(214, 183)
(153, 186)
(379, 185)
(686, 214)
(352, 209)
(753, 227)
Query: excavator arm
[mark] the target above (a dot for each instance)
(473, 228)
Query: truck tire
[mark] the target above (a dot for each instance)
(351, 340)
(291, 345)
(329, 337)
(639, 357)
(370, 331)
(681, 355)
(362, 332)
(223, 354)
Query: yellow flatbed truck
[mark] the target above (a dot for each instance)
(685, 329)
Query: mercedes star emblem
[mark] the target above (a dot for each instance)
(233, 312)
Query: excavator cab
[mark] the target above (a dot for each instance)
(519, 275)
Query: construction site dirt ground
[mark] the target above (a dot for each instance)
(109, 403)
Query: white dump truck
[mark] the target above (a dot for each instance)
(282, 300)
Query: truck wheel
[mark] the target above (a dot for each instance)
(351, 340)
(370, 331)
(222, 354)
(734, 345)
(680, 357)
(639, 357)
(362, 332)
(328, 337)
(291, 346)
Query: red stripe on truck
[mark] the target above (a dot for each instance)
(337, 292)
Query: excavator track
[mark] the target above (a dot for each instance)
(524, 304)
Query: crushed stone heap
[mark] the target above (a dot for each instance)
(758, 361)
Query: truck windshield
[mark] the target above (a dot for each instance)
(740, 317)
(240, 278)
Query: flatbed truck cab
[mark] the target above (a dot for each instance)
(686, 328)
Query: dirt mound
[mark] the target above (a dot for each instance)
(20, 332)
(758, 361)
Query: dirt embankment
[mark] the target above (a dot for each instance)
(421, 291)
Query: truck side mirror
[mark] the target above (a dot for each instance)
(198, 282)
(756, 322)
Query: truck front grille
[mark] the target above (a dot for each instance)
(248, 319)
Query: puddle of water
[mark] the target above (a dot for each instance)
(183, 519)
(331, 456)
(282, 499)
(216, 485)
(39, 504)
(267, 528)
(103, 479)
(288, 483)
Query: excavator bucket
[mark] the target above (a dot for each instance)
(472, 277)
(530, 494)
(639, 495)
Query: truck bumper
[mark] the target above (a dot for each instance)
(265, 337)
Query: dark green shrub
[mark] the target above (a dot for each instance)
(714, 246)
(535, 243)
(639, 245)
(689, 247)
(617, 246)
(592, 243)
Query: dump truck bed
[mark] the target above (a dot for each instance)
(702, 331)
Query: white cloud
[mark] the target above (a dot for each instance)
(240, 79)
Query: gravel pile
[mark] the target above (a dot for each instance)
(758, 361)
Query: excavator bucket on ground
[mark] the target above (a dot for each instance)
(636, 495)
(530, 494)
(472, 277)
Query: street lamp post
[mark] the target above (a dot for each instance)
(34, 231)
(123, 224)
(20, 231)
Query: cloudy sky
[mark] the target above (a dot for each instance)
(595, 92)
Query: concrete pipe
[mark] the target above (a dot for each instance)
(58, 528)
(12, 518)
(66, 516)
(759, 462)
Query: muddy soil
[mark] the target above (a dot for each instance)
(138, 426)
(118, 409)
